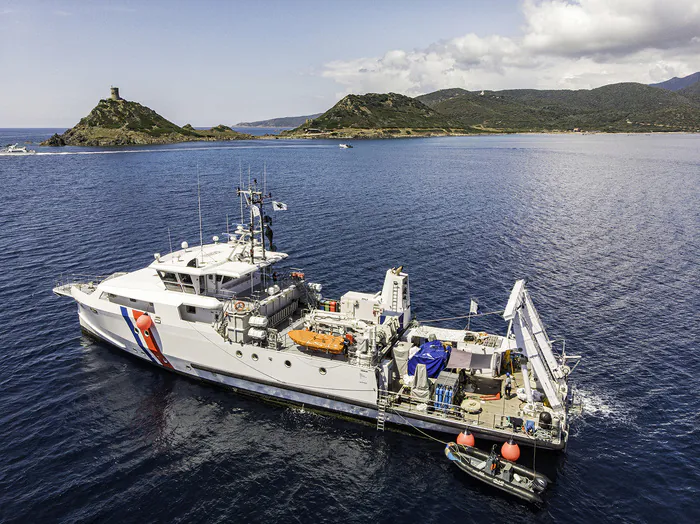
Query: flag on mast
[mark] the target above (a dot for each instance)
(279, 206)
(473, 307)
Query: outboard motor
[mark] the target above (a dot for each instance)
(539, 484)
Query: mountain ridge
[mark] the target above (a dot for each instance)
(284, 121)
(624, 107)
(676, 84)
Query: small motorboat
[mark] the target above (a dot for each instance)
(345, 146)
(498, 472)
(16, 150)
(318, 341)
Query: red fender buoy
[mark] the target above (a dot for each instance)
(465, 439)
(510, 451)
(144, 322)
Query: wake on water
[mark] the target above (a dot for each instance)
(176, 150)
(599, 407)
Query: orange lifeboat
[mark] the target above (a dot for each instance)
(318, 341)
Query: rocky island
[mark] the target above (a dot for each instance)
(118, 122)
(378, 115)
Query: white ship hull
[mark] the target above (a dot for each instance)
(225, 314)
(353, 392)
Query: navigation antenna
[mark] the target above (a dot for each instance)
(170, 240)
(240, 184)
(255, 199)
(199, 206)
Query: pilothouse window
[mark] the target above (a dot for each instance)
(167, 277)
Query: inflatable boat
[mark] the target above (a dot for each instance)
(498, 472)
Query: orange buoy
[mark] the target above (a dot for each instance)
(465, 438)
(510, 451)
(144, 322)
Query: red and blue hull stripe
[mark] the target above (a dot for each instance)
(150, 348)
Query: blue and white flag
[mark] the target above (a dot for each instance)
(279, 206)
(473, 307)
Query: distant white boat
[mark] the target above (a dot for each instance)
(345, 146)
(16, 150)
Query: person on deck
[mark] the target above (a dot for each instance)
(508, 386)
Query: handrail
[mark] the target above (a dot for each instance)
(457, 413)
(77, 278)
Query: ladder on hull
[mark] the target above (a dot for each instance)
(381, 412)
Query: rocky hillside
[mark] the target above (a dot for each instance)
(121, 122)
(378, 115)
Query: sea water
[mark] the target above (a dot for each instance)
(605, 227)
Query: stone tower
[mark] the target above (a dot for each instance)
(114, 93)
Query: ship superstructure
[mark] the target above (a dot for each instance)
(228, 312)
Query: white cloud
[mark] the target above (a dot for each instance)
(564, 44)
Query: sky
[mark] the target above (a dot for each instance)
(225, 61)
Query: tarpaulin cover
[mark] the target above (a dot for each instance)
(433, 355)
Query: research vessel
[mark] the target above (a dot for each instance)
(229, 313)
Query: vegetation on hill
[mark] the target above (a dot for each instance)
(691, 92)
(285, 121)
(626, 107)
(373, 114)
(121, 122)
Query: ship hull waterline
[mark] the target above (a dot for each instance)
(326, 403)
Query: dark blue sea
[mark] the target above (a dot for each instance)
(605, 227)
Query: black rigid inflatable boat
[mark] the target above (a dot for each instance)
(498, 472)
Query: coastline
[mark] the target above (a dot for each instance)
(324, 136)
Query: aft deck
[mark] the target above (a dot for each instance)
(475, 412)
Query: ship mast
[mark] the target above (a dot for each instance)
(255, 199)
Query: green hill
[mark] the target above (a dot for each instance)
(380, 115)
(121, 122)
(692, 92)
(625, 107)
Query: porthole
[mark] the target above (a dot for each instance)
(287, 363)
(146, 334)
(239, 353)
(136, 330)
(254, 356)
(322, 371)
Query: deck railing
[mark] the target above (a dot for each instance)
(402, 402)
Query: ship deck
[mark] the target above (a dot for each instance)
(493, 415)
